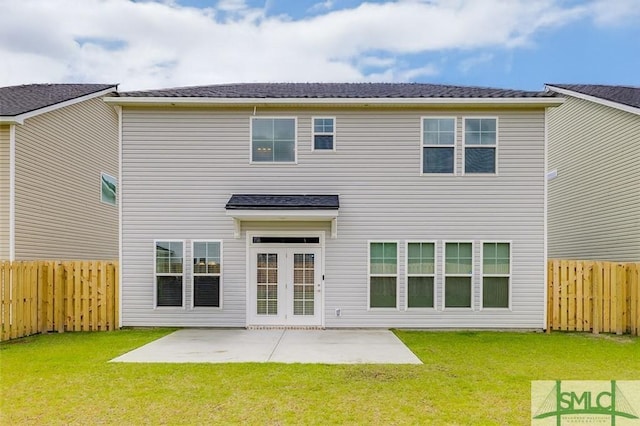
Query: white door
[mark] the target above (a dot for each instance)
(285, 287)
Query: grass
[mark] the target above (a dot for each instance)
(467, 378)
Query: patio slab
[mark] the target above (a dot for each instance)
(284, 346)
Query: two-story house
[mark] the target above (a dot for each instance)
(58, 172)
(594, 171)
(333, 205)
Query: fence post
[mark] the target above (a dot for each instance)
(596, 272)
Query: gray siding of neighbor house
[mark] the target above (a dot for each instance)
(59, 158)
(4, 192)
(594, 202)
(180, 167)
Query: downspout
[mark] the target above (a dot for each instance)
(12, 192)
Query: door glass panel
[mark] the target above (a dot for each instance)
(303, 283)
(267, 282)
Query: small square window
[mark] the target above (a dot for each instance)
(273, 140)
(324, 134)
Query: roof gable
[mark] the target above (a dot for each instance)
(623, 97)
(29, 98)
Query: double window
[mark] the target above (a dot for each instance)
(383, 274)
(439, 143)
(273, 140)
(170, 273)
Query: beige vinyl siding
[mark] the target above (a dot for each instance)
(4, 192)
(594, 202)
(59, 158)
(180, 166)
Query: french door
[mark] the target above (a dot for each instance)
(285, 287)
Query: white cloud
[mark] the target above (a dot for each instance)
(616, 13)
(160, 44)
(469, 63)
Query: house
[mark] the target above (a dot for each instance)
(594, 171)
(333, 205)
(58, 172)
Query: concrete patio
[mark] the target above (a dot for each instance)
(275, 345)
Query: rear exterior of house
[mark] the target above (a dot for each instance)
(58, 144)
(333, 205)
(594, 196)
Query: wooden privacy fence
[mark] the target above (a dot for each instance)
(41, 296)
(593, 296)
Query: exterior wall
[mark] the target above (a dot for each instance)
(59, 158)
(594, 202)
(180, 167)
(4, 192)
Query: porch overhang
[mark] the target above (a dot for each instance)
(285, 208)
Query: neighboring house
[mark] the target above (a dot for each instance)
(333, 205)
(594, 172)
(58, 172)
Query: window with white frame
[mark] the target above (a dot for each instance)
(324, 133)
(207, 266)
(383, 274)
(458, 273)
(496, 274)
(420, 274)
(169, 273)
(438, 145)
(273, 140)
(480, 144)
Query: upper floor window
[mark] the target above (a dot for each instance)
(324, 133)
(438, 145)
(273, 140)
(480, 142)
(108, 189)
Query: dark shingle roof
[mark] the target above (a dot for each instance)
(282, 202)
(625, 95)
(336, 90)
(16, 100)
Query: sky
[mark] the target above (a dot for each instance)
(149, 44)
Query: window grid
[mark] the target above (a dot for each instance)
(496, 275)
(324, 134)
(273, 140)
(383, 274)
(438, 135)
(458, 271)
(207, 271)
(169, 273)
(480, 145)
(421, 270)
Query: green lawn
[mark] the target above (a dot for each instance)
(467, 378)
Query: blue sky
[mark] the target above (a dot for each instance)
(166, 43)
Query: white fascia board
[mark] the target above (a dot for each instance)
(284, 214)
(193, 101)
(19, 119)
(4, 119)
(594, 99)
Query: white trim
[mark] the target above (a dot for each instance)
(313, 133)
(545, 220)
(464, 146)
(207, 101)
(193, 275)
(119, 195)
(169, 274)
(396, 275)
(19, 119)
(454, 146)
(286, 215)
(407, 275)
(509, 275)
(444, 273)
(295, 141)
(249, 245)
(12, 192)
(595, 99)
